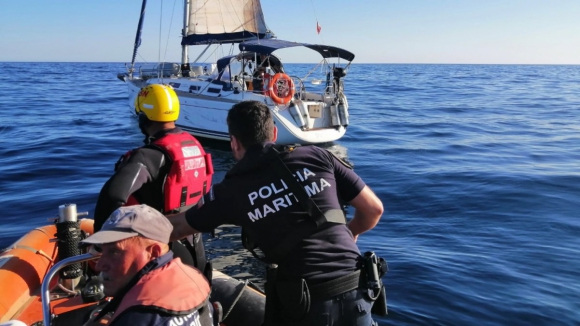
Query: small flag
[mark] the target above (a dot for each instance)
(318, 28)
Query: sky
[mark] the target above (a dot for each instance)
(376, 31)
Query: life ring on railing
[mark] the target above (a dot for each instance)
(281, 88)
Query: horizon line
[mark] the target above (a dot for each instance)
(352, 63)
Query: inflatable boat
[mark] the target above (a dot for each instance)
(36, 290)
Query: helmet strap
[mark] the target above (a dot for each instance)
(144, 123)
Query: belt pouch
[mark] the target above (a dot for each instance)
(379, 308)
(371, 280)
(294, 299)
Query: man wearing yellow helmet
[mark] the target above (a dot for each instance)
(169, 173)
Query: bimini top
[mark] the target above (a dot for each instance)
(267, 46)
(222, 63)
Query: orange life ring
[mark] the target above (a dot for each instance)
(281, 88)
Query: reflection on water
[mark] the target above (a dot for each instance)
(223, 159)
(339, 150)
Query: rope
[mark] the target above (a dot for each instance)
(235, 301)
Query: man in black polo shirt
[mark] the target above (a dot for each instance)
(260, 195)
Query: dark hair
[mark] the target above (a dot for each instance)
(251, 123)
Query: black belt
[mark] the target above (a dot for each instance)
(332, 288)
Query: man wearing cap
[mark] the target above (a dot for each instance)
(136, 263)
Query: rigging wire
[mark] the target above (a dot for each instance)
(161, 67)
(159, 70)
(316, 17)
(160, 28)
(169, 30)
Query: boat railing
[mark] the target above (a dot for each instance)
(300, 89)
(159, 70)
(45, 289)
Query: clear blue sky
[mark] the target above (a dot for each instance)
(377, 31)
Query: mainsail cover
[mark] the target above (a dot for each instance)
(224, 21)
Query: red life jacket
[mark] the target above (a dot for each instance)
(191, 171)
(190, 174)
(184, 290)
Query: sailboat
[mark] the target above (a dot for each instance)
(306, 110)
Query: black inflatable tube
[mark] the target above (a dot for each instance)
(242, 305)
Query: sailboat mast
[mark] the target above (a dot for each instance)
(138, 37)
(184, 53)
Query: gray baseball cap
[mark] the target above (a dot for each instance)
(130, 221)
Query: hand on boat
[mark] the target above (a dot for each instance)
(102, 321)
(181, 228)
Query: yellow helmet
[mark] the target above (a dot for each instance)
(158, 102)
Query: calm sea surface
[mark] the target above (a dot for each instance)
(478, 167)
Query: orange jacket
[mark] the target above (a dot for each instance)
(174, 289)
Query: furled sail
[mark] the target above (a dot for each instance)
(224, 21)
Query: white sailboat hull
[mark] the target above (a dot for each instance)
(205, 105)
(207, 91)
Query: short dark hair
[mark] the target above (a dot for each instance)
(251, 123)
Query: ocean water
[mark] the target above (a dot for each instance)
(478, 167)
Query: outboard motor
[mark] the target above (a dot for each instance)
(343, 110)
(338, 72)
(342, 106)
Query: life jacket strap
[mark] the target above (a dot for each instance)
(316, 217)
(319, 218)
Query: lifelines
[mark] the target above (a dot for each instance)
(286, 200)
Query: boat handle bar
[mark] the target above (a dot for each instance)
(45, 290)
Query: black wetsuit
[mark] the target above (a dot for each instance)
(142, 175)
